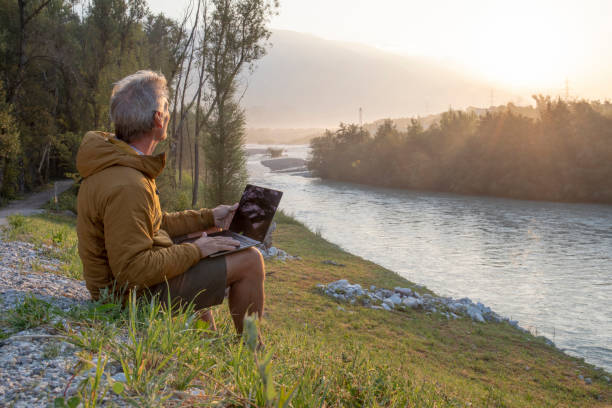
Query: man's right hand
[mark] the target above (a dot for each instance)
(211, 245)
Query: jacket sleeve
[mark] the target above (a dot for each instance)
(186, 222)
(128, 236)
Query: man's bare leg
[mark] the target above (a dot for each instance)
(245, 278)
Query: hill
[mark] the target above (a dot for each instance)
(306, 82)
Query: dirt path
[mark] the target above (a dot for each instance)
(33, 203)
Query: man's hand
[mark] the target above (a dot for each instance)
(211, 245)
(223, 215)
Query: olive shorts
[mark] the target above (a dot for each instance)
(203, 284)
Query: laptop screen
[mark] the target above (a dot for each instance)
(255, 212)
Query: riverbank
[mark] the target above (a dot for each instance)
(347, 354)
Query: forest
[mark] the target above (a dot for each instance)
(59, 60)
(563, 154)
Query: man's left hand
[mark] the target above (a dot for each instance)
(223, 215)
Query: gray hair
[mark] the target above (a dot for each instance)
(134, 101)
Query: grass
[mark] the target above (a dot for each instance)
(54, 235)
(318, 355)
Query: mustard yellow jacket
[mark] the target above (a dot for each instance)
(124, 237)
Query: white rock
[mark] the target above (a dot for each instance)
(412, 302)
(474, 313)
(456, 307)
(395, 299)
(403, 291)
(196, 393)
(386, 306)
(119, 377)
(588, 381)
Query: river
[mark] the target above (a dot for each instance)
(547, 265)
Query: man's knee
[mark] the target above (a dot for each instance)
(245, 265)
(256, 263)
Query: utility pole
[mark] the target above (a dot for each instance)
(360, 117)
(566, 89)
(492, 98)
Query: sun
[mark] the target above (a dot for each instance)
(524, 48)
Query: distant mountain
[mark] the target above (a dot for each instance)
(309, 82)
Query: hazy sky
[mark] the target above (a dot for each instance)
(522, 44)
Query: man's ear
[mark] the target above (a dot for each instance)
(158, 119)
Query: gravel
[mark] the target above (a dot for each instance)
(36, 365)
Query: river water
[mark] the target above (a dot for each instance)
(547, 265)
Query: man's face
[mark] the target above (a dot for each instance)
(163, 118)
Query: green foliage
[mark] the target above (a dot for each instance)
(66, 201)
(563, 155)
(10, 150)
(57, 68)
(275, 152)
(32, 312)
(224, 156)
(54, 234)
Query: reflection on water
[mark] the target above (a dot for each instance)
(547, 265)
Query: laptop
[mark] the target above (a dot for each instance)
(252, 218)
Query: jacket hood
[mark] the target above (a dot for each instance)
(100, 150)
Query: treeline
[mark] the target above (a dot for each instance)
(59, 60)
(563, 155)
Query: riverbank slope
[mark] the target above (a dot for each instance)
(350, 355)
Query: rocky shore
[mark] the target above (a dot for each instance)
(403, 299)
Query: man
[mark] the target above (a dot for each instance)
(125, 240)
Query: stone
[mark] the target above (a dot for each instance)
(386, 306)
(456, 307)
(580, 377)
(588, 381)
(412, 302)
(395, 299)
(119, 377)
(475, 314)
(403, 291)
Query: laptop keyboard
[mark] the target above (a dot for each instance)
(240, 238)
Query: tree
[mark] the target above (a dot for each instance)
(234, 37)
(10, 149)
(224, 155)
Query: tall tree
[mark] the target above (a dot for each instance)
(236, 37)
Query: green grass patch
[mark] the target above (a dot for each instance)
(32, 312)
(317, 355)
(54, 235)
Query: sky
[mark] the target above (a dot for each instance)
(533, 45)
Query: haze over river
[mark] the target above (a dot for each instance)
(547, 265)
